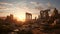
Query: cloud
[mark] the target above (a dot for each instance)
(21, 7)
(26, 7)
(5, 3)
(2, 7)
(49, 5)
(40, 6)
(6, 7)
(34, 3)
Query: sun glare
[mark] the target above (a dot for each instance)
(20, 17)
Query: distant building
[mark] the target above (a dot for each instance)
(44, 14)
(55, 12)
(9, 18)
(28, 16)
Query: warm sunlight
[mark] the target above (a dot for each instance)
(20, 17)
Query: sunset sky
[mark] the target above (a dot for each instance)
(20, 7)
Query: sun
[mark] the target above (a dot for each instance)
(20, 17)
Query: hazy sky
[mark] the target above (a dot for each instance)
(20, 7)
